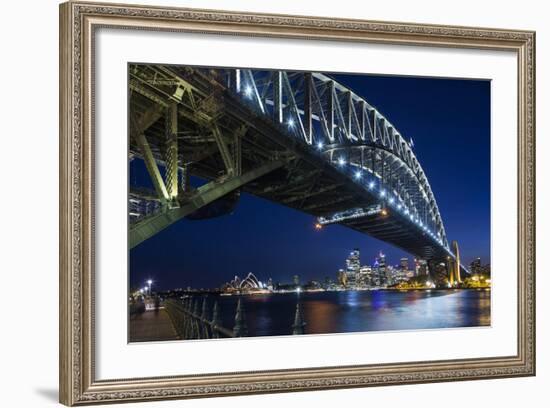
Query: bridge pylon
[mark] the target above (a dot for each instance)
(453, 265)
(456, 263)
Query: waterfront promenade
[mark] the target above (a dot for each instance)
(152, 326)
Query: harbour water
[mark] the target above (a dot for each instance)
(360, 311)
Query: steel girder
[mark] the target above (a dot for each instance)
(328, 119)
(204, 195)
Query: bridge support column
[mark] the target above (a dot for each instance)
(278, 96)
(350, 108)
(224, 149)
(457, 262)
(330, 109)
(185, 183)
(450, 264)
(235, 80)
(172, 152)
(308, 122)
(152, 167)
(237, 149)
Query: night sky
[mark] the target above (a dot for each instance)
(449, 122)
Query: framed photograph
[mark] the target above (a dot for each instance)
(256, 203)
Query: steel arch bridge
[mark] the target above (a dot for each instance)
(300, 139)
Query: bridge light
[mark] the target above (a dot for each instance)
(290, 122)
(341, 161)
(384, 212)
(399, 206)
(320, 145)
(318, 226)
(248, 91)
(358, 174)
(391, 200)
(371, 185)
(382, 193)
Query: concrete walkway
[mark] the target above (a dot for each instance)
(152, 326)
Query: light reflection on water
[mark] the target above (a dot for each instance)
(357, 311)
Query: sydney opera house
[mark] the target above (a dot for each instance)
(250, 284)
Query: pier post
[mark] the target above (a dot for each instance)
(195, 320)
(240, 329)
(204, 318)
(215, 321)
(189, 319)
(298, 326)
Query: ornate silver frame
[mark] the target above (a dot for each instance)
(78, 22)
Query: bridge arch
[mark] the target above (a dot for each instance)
(310, 109)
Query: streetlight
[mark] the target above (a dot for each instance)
(149, 283)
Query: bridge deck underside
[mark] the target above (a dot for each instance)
(307, 182)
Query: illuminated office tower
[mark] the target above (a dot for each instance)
(353, 265)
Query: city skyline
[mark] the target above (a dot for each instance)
(271, 240)
(373, 261)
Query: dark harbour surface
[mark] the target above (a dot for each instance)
(359, 311)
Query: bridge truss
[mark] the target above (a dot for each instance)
(297, 138)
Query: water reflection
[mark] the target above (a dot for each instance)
(356, 311)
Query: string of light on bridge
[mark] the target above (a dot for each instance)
(358, 175)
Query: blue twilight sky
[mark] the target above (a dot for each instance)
(449, 121)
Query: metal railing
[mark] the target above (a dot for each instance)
(192, 319)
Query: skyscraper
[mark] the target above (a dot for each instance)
(366, 276)
(404, 264)
(353, 262)
(475, 266)
(381, 264)
(353, 265)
